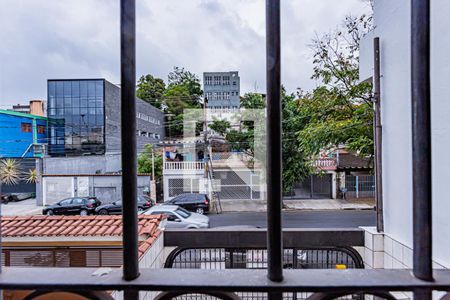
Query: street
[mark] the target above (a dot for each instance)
(300, 219)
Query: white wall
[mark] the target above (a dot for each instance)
(392, 21)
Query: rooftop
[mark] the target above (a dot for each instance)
(74, 226)
(351, 161)
(20, 114)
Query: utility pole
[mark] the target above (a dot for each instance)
(153, 164)
(205, 137)
(378, 135)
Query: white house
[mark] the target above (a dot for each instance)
(392, 25)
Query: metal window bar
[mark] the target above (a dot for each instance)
(128, 141)
(274, 134)
(421, 142)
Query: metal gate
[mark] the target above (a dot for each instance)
(238, 184)
(361, 186)
(313, 187)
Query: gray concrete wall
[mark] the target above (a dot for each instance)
(106, 188)
(149, 120)
(109, 163)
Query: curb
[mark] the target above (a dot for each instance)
(328, 209)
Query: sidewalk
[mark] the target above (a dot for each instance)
(22, 208)
(329, 204)
(299, 204)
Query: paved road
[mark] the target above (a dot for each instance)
(300, 219)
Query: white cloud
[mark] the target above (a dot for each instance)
(42, 39)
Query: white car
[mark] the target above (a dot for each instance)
(178, 217)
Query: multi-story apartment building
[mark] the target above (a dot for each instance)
(222, 89)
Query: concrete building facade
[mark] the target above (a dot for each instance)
(21, 133)
(393, 247)
(222, 89)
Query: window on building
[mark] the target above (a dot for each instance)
(227, 95)
(208, 80)
(234, 83)
(41, 129)
(226, 80)
(25, 127)
(75, 103)
(217, 80)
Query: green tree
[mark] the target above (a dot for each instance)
(145, 162)
(177, 98)
(340, 110)
(253, 101)
(182, 77)
(220, 126)
(151, 90)
(183, 92)
(296, 163)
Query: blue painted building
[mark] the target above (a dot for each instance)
(22, 135)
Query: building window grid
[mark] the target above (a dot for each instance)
(226, 80)
(217, 80)
(76, 109)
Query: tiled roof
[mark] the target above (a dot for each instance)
(76, 226)
(352, 161)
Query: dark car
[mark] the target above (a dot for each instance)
(4, 198)
(116, 207)
(82, 206)
(16, 197)
(198, 203)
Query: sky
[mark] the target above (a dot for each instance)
(49, 39)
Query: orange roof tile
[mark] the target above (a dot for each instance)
(145, 245)
(33, 226)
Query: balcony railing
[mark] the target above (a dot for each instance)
(184, 165)
(325, 163)
(323, 284)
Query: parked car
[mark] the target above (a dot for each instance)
(198, 203)
(4, 198)
(115, 208)
(16, 197)
(82, 206)
(178, 217)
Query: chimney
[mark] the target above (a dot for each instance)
(37, 108)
